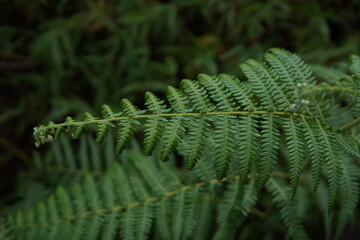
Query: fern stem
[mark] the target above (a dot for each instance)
(350, 125)
(78, 123)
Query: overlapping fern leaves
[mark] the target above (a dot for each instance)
(140, 200)
(245, 120)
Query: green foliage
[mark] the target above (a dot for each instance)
(211, 107)
(238, 135)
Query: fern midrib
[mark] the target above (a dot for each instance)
(279, 113)
(146, 201)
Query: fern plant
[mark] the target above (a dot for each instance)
(240, 132)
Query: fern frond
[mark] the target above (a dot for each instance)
(295, 145)
(269, 145)
(235, 207)
(333, 162)
(224, 142)
(248, 147)
(153, 126)
(127, 126)
(239, 119)
(103, 128)
(274, 87)
(311, 134)
(349, 196)
(198, 136)
(348, 143)
(259, 87)
(239, 91)
(218, 93)
(282, 197)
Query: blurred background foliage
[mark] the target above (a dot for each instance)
(66, 57)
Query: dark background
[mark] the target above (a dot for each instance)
(60, 58)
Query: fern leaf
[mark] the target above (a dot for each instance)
(109, 197)
(274, 87)
(52, 217)
(205, 220)
(178, 215)
(126, 127)
(282, 197)
(193, 199)
(281, 67)
(79, 209)
(224, 144)
(174, 131)
(248, 144)
(178, 101)
(145, 214)
(162, 221)
(93, 203)
(197, 96)
(125, 133)
(87, 117)
(127, 221)
(198, 134)
(153, 126)
(260, 88)
(66, 211)
(333, 162)
(217, 91)
(348, 143)
(295, 146)
(239, 91)
(349, 196)
(269, 143)
(311, 134)
(103, 128)
(149, 173)
(234, 209)
(302, 71)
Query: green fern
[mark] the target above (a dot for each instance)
(131, 200)
(223, 107)
(239, 132)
